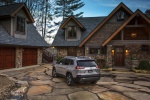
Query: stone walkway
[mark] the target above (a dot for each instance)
(38, 84)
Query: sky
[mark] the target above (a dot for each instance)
(94, 8)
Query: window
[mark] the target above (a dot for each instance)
(94, 50)
(20, 24)
(120, 15)
(72, 32)
(86, 63)
(145, 48)
(62, 61)
(102, 50)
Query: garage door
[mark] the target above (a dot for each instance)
(29, 57)
(7, 58)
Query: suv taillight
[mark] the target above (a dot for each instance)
(98, 67)
(79, 67)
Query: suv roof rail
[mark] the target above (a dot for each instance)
(70, 57)
(84, 57)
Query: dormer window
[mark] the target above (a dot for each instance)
(120, 16)
(72, 32)
(21, 25)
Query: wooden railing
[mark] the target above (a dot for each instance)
(47, 56)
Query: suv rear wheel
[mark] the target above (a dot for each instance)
(54, 74)
(69, 79)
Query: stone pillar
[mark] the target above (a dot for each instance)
(18, 60)
(39, 56)
(109, 56)
(86, 51)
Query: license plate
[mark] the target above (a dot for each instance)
(90, 71)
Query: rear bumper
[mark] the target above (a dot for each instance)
(87, 78)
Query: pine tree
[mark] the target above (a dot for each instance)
(66, 8)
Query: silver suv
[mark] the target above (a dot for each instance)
(77, 69)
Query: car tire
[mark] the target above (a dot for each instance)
(69, 79)
(54, 74)
(94, 82)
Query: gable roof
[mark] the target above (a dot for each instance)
(12, 9)
(33, 38)
(137, 12)
(106, 19)
(73, 18)
(88, 22)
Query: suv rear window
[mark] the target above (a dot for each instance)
(86, 63)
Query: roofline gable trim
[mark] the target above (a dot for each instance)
(27, 12)
(71, 17)
(105, 20)
(137, 12)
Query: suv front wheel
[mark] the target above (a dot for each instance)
(54, 74)
(69, 79)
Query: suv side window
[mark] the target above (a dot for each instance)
(71, 62)
(67, 61)
(62, 61)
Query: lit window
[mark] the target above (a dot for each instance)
(72, 32)
(20, 24)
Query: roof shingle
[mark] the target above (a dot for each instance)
(33, 38)
(90, 23)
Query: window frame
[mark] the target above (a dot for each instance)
(102, 50)
(145, 48)
(20, 25)
(72, 33)
(120, 15)
(95, 51)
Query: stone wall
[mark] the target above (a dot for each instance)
(94, 56)
(109, 56)
(135, 55)
(102, 34)
(39, 56)
(18, 57)
(62, 52)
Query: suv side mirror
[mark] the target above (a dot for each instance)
(60, 63)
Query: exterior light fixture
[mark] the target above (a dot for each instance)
(112, 50)
(133, 35)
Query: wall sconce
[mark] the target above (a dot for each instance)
(133, 35)
(127, 51)
(112, 50)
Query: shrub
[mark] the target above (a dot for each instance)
(101, 63)
(144, 65)
(58, 58)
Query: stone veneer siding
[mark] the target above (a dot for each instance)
(140, 55)
(39, 56)
(109, 56)
(18, 57)
(62, 52)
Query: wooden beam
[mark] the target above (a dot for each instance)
(121, 42)
(136, 26)
(122, 33)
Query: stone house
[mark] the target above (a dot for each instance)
(20, 43)
(122, 38)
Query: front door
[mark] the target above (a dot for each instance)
(29, 56)
(119, 56)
